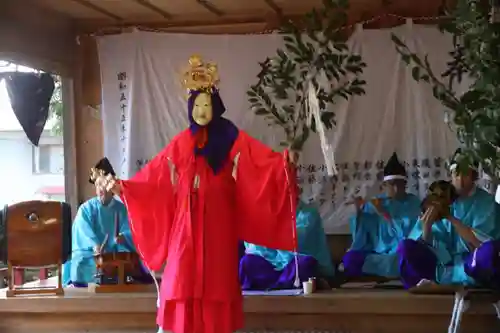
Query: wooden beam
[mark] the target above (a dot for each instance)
(210, 7)
(156, 9)
(270, 20)
(271, 4)
(98, 9)
(90, 27)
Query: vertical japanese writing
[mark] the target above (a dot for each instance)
(140, 163)
(358, 177)
(122, 89)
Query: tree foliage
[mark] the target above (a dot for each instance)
(474, 115)
(314, 52)
(56, 108)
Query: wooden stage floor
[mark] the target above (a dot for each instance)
(341, 310)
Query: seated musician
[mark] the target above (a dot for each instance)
(100, 226)
(262, 268)
(457, 244)
(379, 225)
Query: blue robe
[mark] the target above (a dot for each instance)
(447, 259)
(92, 223)
(375, 240)
(265, 268)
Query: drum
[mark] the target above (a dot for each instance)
(442, 194)
(35, 234)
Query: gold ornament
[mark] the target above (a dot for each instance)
(200, 75)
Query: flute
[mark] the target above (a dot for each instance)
(376, 202)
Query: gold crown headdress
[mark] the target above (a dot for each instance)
(200, 75)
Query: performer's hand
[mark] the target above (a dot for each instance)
(109, 183)
(293, 157)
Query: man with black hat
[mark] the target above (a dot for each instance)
(94, 232)
(459, 245)
(380, 224)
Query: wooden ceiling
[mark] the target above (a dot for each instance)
(94, 15)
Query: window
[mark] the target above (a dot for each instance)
(48, 159)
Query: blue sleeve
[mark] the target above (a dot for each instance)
(484, 223)
(312, 239)
(363, 228)
(304, 226)
(125, 229)
(484, 213)
(360, 225)
(413, 216)
(369, 208)
(440, 242)
(84, 237)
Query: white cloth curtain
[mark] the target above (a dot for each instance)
(144, 106)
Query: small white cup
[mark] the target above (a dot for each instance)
(308, 287)
(313, 281)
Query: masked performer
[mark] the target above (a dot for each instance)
(456, 241)
(211, 186)
(380, 224)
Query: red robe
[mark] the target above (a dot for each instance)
(185, 215)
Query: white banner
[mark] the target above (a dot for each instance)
(144, 106)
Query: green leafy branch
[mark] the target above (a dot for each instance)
(474, 115)
(56, 108)
(314, 53)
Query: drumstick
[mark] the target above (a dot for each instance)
(104, 243)
(117, 230)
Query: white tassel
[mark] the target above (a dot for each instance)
(147, 267)
(152, 273)
(293, 215)
(314, 111)
(296, 283)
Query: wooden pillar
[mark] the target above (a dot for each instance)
(18, 276)
(43, 274)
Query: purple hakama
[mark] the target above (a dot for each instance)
(256, 273)
(483, 265)
(353, 262)
(417, 261)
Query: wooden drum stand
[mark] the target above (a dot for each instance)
(119, 264)
(35, 234)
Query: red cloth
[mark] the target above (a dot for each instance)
(194, 223)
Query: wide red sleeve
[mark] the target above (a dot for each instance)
(266, 195)
(150, 200)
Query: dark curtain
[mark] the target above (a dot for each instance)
(30, 95)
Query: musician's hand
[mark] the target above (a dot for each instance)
(379, 208)
(119, 239)
(97, 249)
(358, 202)
(445, 212)
(377, 204)
(430, 215)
